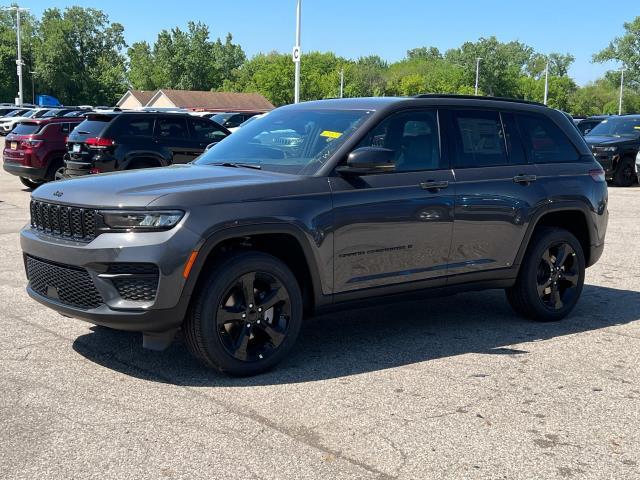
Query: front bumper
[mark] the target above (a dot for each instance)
(168, 250)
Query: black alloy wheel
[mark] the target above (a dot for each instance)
(551, 276)
(253, 318)
(246, 314)
(558, 276)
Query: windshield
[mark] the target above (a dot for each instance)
(220, 118)
(618, 127)
(15, 113)
(287, 140)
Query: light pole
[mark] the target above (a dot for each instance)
(296, 54)
(341, 82)
(477, 72)
(546, 82)
(621, 89)
(33, 87)
(19, 61)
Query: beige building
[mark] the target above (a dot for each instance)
(134, 99)
(209, 101)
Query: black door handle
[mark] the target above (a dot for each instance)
(434, 185)
(524, 179)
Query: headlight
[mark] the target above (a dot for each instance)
(139, 220)
(607, 149)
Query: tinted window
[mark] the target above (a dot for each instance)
(618, 127)
(135, 126)
(94, 125)
(26, 129)
(515, 149)
(544, 142)
(204, 131)
(479, 139)
(413, 136)
(171, 128)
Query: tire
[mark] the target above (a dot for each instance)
(545, 277)
(55, 171)
(29, 183)
(625, 174)
(219, 336)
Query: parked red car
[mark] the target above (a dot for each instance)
(34, 149)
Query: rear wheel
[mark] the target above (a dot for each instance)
(247, 316)
(30, 183)
(551, 277)
(625, 174)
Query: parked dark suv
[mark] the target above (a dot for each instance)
(107, 142)
(317, 206)
(615, 143)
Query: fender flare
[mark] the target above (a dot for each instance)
(210, 242)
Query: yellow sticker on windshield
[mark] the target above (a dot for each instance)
(637, 127)
(330, 134)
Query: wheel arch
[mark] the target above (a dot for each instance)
(573, 217)
(283, 241)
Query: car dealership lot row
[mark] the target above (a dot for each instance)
(441, 388)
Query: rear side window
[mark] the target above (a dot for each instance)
(206, 131)
(94, 125)
(26, 129)
(479, 139)
(172, 128)
(544, 142)
(134, 126)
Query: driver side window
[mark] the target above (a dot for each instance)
(412, 136)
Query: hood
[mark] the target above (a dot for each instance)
(139, 188)
(607, 140)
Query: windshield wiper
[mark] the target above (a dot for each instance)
(238, 165)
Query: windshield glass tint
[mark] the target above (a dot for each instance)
(92, 126)
(288, 140)
(618, 127)
(221, 117)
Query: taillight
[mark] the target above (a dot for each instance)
(98, 142)
(597, 175)
(93, 171)
(31, 143)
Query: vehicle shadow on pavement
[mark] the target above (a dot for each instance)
(375, 338)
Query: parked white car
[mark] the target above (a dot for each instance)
(8, 123)
(638, 165)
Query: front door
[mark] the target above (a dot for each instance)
(395, 227)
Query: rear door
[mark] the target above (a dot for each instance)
(204, 132)
(172, 133)
(496, 190)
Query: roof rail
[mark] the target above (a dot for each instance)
(478, 97)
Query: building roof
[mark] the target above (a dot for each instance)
(219, 101)
(143, 96)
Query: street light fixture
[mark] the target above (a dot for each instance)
(546, 82)
(19, 62)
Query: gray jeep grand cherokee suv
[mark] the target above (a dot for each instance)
(322, 205)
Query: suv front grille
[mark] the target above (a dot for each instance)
(59, 220)
(66, 284)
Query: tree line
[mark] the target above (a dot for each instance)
(80, 56)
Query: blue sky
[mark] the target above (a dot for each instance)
(354, 28)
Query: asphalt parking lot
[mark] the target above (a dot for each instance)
(456, 387)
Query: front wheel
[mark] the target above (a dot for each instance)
(625, 174)
(247, 315)
(551, 277)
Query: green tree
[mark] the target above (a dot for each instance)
(9, 52)
(80, 57)
(501, 66)
(626, 50)
(142, 71)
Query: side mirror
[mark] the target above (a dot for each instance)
(368, 160)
